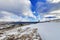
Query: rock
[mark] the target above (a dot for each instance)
(23, 34)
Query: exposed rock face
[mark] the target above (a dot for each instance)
(21, 33)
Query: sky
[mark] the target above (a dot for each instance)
(27, 10)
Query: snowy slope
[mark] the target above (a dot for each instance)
(48, 31)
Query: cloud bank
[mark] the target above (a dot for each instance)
(17, 8)
(48, 8)
(53, 1)
(10, 17)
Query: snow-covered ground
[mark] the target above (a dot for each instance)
(48, 31)
(20, 33)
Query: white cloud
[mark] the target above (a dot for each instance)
(7, 16)
(50, 9)
(54, 14)
(48, 15)
(26, 10)
(55, 11)
(53, 1)
(21, 7)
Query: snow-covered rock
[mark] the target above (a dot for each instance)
(21, 33)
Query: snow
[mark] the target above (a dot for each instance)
(48, 31)
(21, 32)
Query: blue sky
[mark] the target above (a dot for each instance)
(33, 2)
(26, 10)
(42, 7)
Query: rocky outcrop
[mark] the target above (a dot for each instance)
(21, 33)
